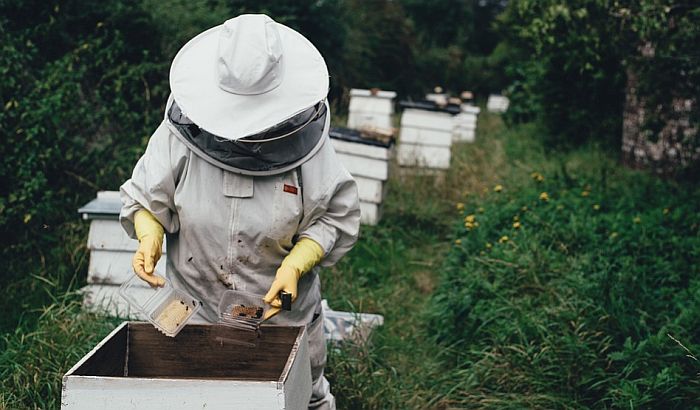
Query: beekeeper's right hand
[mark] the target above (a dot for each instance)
(150, 235)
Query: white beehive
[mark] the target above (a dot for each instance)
(368, 162)
(370, 108)
(136, 367)
(426, 137)
(111, 252)
(497, 103)
(465, 124)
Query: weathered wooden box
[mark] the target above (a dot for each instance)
(426, 136)
(370, 108)
(465, 124)
(136, 367)
(497, 103)
(368, 162)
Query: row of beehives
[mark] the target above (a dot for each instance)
(426, 135)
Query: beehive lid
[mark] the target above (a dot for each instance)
(350, 135)
(357, 92)
(107, 205)
(430, 106)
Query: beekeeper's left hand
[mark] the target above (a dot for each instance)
(301, 259)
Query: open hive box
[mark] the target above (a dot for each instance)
(136, 366)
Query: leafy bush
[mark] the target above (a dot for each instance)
(562, 291)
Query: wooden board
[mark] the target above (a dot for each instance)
(433, 120)
(423, 156)
(192, 370)
(114, 267)
(362, 150)
(359, 119)
(370, 190)
(371, 104)
(370, 213)
(355, 92)
(109, 234)
(365, 167)
(425, 136)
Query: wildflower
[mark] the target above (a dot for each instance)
(537, 176)
(666, 211)
(596, 207)
(516, 225)
(516, 218)
(524, 209)
(480, 210)
(585, 193)
(498, 188)
(544, 197)
(503, 239)
(458, 242)
(459, 206)
(613, 235)
(488, 245)
(637, 219)
(470, 218)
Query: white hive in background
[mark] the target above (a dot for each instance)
(425, 140)
(367, 161)
(465, 124)
(111, 251)
(370, 108)
(497, 103)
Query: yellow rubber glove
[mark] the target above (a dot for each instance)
(305, 254)
(150, 235)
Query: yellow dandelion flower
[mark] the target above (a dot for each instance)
(613, 235)
(480, 210)
(516, 218)
(596, 207)
(488, 245)
(585, 193)
(458, 242)
(459, 206)
(470, 218)
(516, 225)
(544, 197)
(537, 176)
(637, 219)
(503, 239)
(524, 209)
(666, 211)
(498, 188)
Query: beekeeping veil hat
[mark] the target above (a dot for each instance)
(250, 94)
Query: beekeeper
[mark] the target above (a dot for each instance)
(242, 178)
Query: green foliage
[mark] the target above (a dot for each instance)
(560, 291)
(566, 68)
(34, 359)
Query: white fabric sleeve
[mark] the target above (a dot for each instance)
(153, 182)
(335, 219)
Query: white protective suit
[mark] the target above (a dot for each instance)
(231, 231)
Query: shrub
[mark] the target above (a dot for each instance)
(561, 292)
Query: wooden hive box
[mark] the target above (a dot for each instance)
(111, 251)
(370, 108)
(426, 135)
(497, 103)
(465, 124)
(368, 162)
(136, 367)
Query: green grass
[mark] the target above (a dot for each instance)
(571, 312)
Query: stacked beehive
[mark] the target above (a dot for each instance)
(465, 123)
(370, 108)
(497, 103)
(111, 251)
(367, 161)
(426, 135)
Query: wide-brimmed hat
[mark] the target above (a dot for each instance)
(246, 76)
